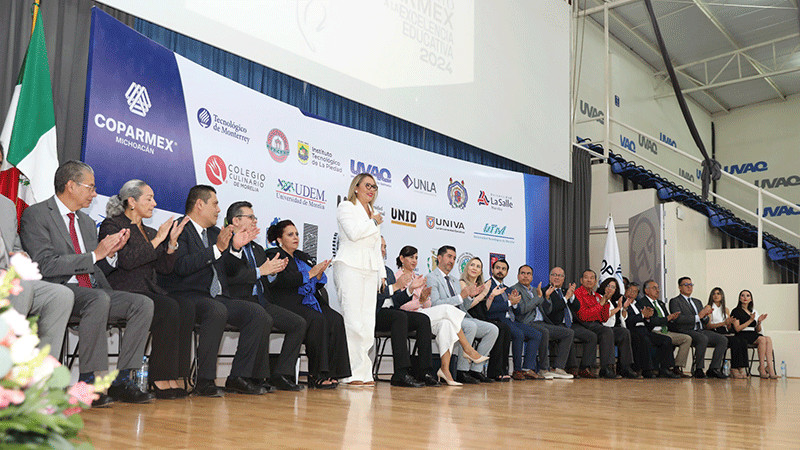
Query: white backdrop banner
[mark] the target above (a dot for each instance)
(156, 116)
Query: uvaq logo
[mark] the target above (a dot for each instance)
(138, 99)
(204, 117)
(216, 170)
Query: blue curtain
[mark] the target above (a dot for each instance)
(319, 103)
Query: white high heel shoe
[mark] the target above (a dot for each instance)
(480, 359)
(441, 376)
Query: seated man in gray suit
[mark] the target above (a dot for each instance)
(63, 240)
(692, 320)
(51, 302)
(446, 290)
(532, 310)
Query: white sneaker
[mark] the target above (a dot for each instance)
(547, 375)
(561, 374)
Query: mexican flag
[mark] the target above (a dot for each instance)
(29, 132)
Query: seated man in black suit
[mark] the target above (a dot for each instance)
(389, 317)
(245, 266)
(63, 240)
(563, 312)
(692, 320)
(652, 352)
(199, 274)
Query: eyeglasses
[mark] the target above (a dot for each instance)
(249, 216)
(557, 275)
(687, 284)
(91, 187)
(371, 187)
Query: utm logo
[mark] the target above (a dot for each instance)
(138, 99)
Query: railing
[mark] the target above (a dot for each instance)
(789, 235)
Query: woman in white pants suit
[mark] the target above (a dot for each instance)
(358, 271)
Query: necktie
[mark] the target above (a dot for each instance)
(450, 286)
(510, 313)
(3, 253)
(694, 308)
(258, 289)
(659, 314)
(83, 278)
(216, 287)
(567, 311)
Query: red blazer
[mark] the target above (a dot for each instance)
(591, 310)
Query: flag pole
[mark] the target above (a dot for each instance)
(35, 15)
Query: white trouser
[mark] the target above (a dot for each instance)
(445, 325)
(356, 289)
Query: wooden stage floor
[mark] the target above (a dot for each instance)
(659, 413)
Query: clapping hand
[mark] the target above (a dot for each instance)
(176, 231)
(377, 218)
(762, 317)
(319, 269)
(497, 291)
(273, 266)
(627, 303)
(470, 290)
(224, 238)
(244, 237)
(163, 230)
(673, 316)
(423, 296)
(570, 291)
(417, 283)
(404, 279)
(539, 289)
(647, 312)
(514, 297)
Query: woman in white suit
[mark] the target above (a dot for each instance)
(358, 271)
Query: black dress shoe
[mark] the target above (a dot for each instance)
(699, 374)
(405, 380)
(103, 401)
(608, 372)
(650, 374)
(180, 392)
(466, 378)
(429, 380)
(628, 373)
(668, 374)
(207, 388)
(264, 383)
(480, 377)
(127, 393)
(716, 373)
(163, 394)
(241, 385)
(284, 383)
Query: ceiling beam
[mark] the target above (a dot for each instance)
(718, 25)
(643, 39)
(611, 4)
(738, 80)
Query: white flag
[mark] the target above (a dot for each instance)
(612, 265)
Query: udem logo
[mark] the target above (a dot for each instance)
(138, 99)
(216, 170)
(204, 117)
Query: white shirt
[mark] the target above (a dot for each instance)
(63, 211)
(717, 314)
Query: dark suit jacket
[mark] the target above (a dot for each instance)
(399, 298)
(634, 318)
(45, 237)
(685, 321)
(242, 277)
(526, 308)
(137, 262)
(284, 288)
(192, 269)
(499, 307)
(654, 321)
(559, 303)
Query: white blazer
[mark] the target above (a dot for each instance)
(359, 239)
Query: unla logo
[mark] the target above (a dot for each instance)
(215, 170)
(302, 152)
(457, 194)
(204, 117)
(278, 145)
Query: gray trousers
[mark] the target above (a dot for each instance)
(702, 340)
(474, 328)
(97, 307)
(52, 303)
(562, 336)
